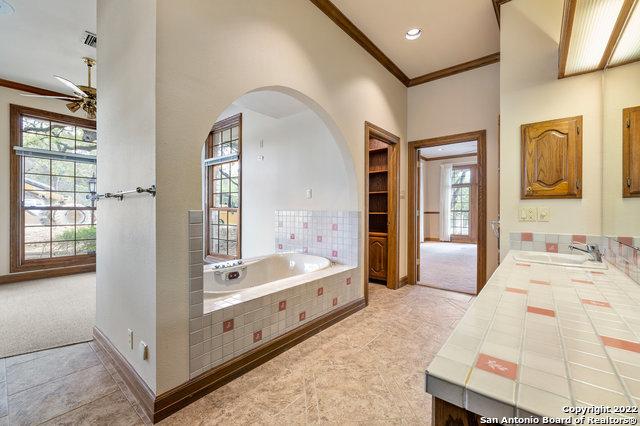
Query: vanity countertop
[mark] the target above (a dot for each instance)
(539, 338)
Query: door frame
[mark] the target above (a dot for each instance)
(393, 279)
(413, 219)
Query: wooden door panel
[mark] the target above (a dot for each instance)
(631, 152)
(378, 257)
(552, 159)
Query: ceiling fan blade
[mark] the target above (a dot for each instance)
(64, 98)
(71, 86)
(73, 106)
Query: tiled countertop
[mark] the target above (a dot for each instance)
(541, 337)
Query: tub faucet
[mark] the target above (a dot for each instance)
(591, 249)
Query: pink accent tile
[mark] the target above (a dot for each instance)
(526, 236)
(282, 305)
(334, 253)
(596, 273)
(497, 366)
(541, 311)
(335, 301)
(522, 264)
(302, 315)
(540, 282)
(334, 227)
(596, 303)
(305, 225)
(579, 281)
(257, 336)
(516, 290)
(227, 325)
(626, 240)
(621, 344)
(320, 291)
(552, 247)
(279, 246)
(348, 280)
(319, 238)
(579, 238)
(292, 236)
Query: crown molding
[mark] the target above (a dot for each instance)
(456, 69)
(496, 8)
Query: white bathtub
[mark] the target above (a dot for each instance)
(223, 281)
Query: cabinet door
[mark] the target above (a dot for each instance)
(378, 257)
(631, 152)
(552, 159)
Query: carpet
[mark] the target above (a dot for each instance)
(449, 266)
(47, 313)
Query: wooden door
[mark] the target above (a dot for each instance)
(378, 257)
(631, 152)
(552, 159)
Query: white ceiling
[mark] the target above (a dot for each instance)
(453, 31)
(271, 103)
(452, 149)
(44, 37)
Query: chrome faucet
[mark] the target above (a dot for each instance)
(591, 249)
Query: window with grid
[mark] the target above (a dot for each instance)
(53, 171)
(222, 165)
(460, 200)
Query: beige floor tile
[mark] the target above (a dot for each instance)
(3, 399)
(113, 409)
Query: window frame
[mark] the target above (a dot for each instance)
(227, 123)
(455, 186)
(16, 216)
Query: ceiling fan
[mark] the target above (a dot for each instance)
(83, 96)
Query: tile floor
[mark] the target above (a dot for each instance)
(369, 368)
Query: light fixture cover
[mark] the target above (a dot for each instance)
(628, 47)
(413, 34)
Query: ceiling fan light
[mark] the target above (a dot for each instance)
(413, 34)
(628, 47)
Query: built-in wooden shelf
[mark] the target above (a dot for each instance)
(378, 192)
(377, 212)
(377, 171)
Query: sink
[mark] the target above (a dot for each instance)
(559, 259)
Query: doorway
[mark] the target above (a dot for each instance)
(382, 161)
(447, 212)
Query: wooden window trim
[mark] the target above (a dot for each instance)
(16, 236)
(471, 237)
(227, 123)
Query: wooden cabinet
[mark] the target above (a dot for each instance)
(552, 159)
(378, 256)
(631, 152)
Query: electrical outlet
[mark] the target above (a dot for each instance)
(532, 214)
(309, 193)
(544, 214)
(130, 334)
(522, 214)
(144, 350)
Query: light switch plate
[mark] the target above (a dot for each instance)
(522, 214)
(144, 350)
(543, 214)
(532, 214)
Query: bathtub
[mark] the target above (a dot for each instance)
(221, 281)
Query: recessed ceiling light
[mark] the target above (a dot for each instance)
(6, 8)
(413, 34)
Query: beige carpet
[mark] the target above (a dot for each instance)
(450, 266)
(43, 314)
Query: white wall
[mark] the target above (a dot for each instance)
(126, 245)
(299, 154)
(529, 92)
(431, 191)
(621, 216)
(458, 104)
(7, 97)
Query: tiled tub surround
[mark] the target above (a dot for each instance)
(625, 257)
(224, 328)
(540, 337)
(330, 234)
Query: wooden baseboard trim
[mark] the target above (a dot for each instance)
(404, 281)
(167, 403)
(46, 273)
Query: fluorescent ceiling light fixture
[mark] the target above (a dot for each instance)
(628, 47)
(413, 34)
(6, 8)
(593, 24)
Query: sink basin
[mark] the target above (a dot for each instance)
(558, 259)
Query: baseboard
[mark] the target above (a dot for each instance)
(46, 273)
(167, 403)
(404, 281)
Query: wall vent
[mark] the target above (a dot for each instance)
(89, 39)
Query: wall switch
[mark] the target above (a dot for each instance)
(543, 214)
(309, 193)
(130, 334)
(144, 350)
(260, 157)
(532, 214)
(522, 214)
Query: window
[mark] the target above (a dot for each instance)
(461, 201)
(222, 167)
(53, 168)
